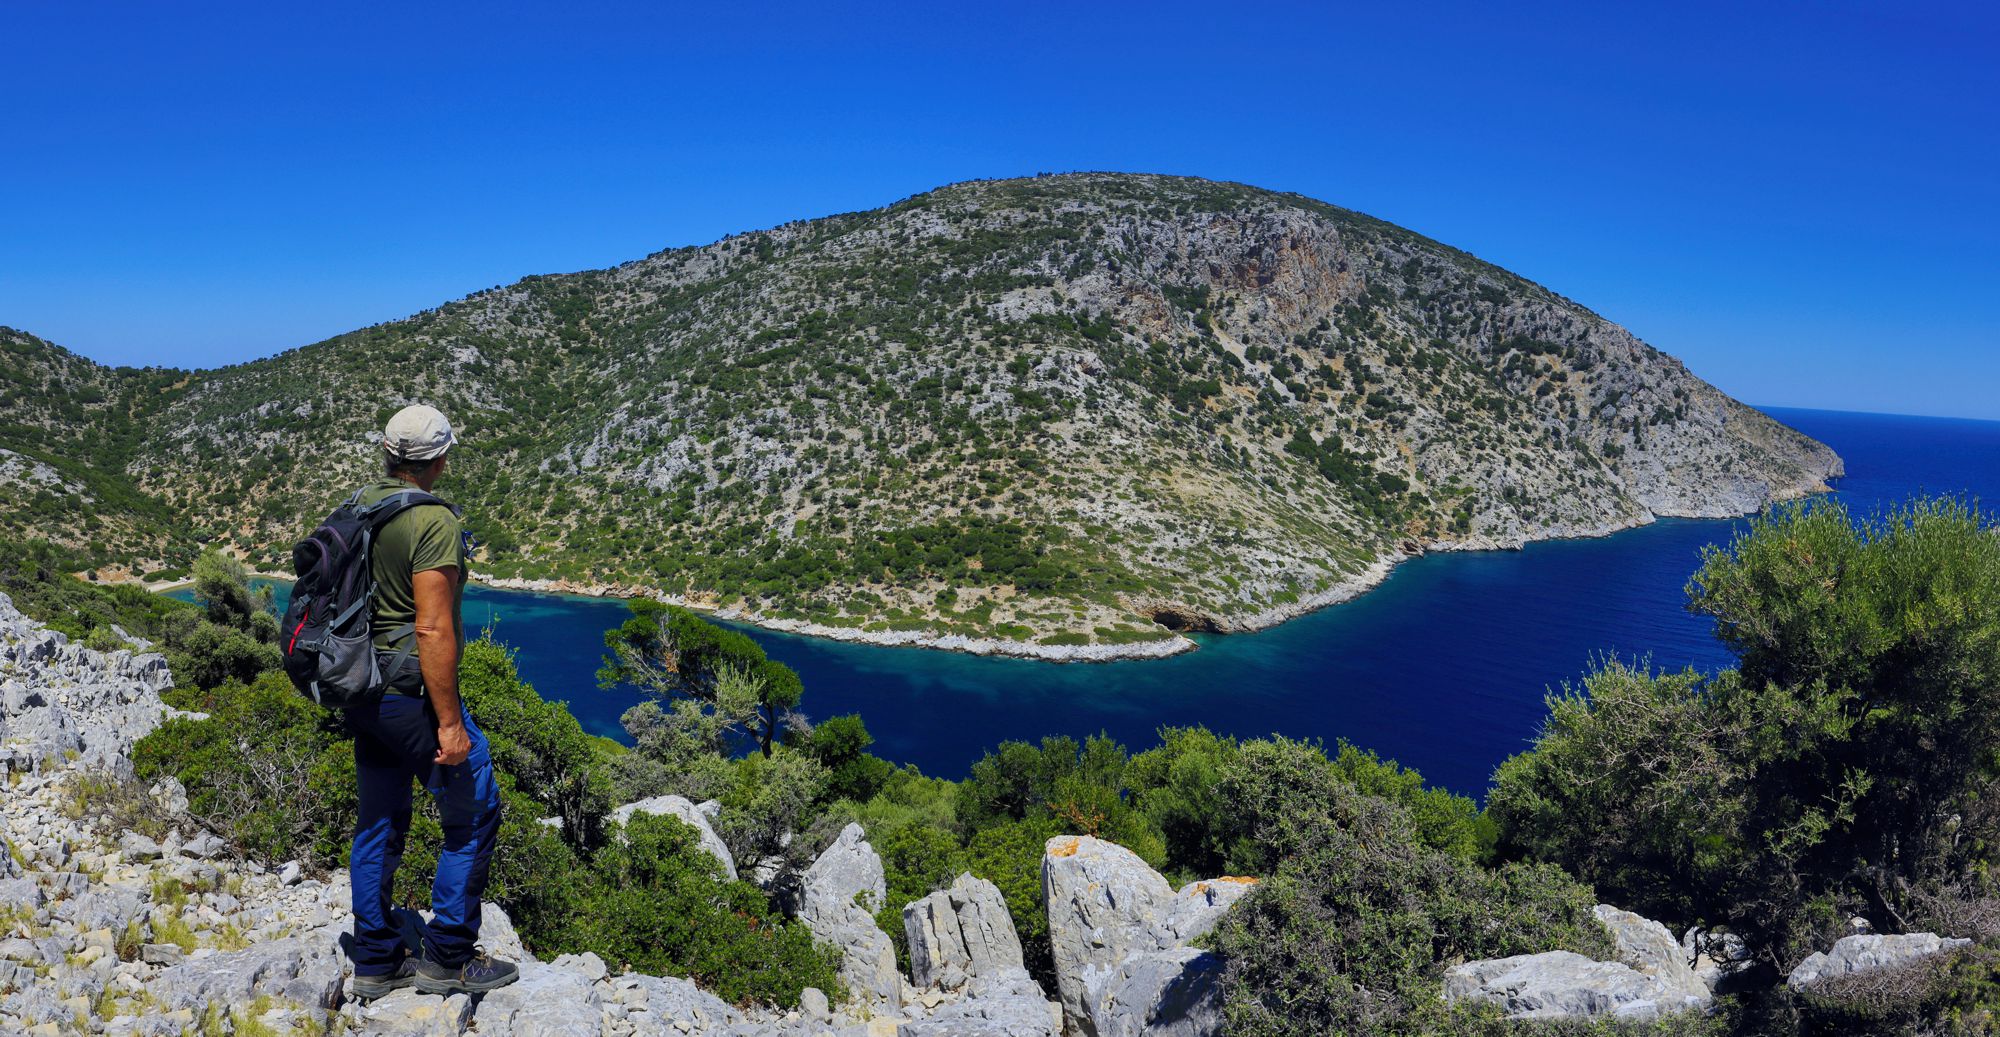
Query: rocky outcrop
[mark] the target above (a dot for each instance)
(838, 897)
(1867, 953)
(1121, 935)
(1651, 977)
(1011, 1005)
(960, 934)
(1650, 949)
(1558, 985)
(58, 698)
(150, 934)
(690, 815)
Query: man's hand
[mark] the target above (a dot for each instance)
(454, 745)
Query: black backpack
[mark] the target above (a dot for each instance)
(326, 638)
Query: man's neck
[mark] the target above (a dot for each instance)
(419, 482)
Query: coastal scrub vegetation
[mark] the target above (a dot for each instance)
(1844, 766)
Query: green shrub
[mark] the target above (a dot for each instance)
(1177, 786)
(1081, 789)
(536, 742)
(1847, 767)
(657, 902)
(1351, 929)
(1956, 994)
(267, 770)
(840, 745)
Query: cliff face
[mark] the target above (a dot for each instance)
(1052, 408)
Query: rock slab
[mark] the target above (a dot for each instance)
(1120, 936)
(961, 933)
(1559, 985)
(1867, 953)
(838, 897)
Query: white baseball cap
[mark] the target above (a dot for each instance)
(417, 433)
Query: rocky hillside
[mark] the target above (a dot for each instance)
(1065, 409)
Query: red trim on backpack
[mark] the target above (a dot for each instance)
(295, 632)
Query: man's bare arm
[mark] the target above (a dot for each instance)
(437, 655)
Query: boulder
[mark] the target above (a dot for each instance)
(1199, 905)
(1562, 985)
(1867, 953)
(588, 965)
(1175, 993)
(693, 816)
(497, 936)
(838, 897)
(305, 970)
(411, 1013)
(1007, 1006)
(1120, 939)
(960, 933)
(545, 1002)
(671, 1006)
(1650, 949)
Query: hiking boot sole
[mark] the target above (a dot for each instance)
(455, 985)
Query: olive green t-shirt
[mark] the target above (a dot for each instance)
(420, 539)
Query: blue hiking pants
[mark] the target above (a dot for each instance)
(394, 742)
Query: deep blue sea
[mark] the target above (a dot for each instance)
(1443, 667)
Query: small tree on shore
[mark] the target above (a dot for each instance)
(671, 653)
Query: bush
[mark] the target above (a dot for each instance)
(840, 745)
(1846, 767)
(267, 770)
(1956, 994)
(657, 902)
(1079, 788)
(1352, 928)
(539, 743)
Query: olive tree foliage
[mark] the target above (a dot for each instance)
(672, 654)
(1848, 765)
(222, 589)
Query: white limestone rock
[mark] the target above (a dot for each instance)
(838, 897)
(1120, 938)
(1563, 985)
(546, 1001)
(961, 933)
(1867, 953)
(1649, 948)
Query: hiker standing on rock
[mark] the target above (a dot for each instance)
(417, 728)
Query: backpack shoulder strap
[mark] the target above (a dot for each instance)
(379, 513)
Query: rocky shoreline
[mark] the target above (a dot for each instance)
(1191, 618)
(1346, 590)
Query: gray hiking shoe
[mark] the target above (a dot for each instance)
(478, 974)
(368, 988)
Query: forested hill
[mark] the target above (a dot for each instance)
(1052, 408)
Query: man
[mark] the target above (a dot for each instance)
(419, 729)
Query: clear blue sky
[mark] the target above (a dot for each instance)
(1802, 200)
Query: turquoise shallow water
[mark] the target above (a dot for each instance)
(1443, 667)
